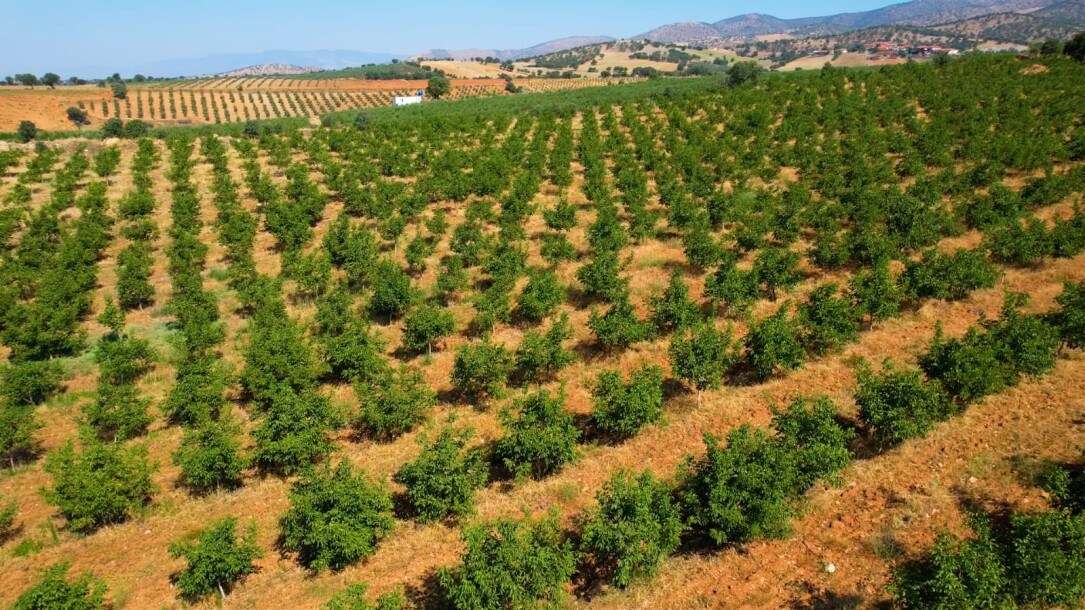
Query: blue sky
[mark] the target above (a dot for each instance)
(64, 35)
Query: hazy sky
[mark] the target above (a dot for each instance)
(65, 35)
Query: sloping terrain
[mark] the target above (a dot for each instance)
(297, 265)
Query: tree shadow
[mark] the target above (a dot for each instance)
(428, 594)
(589, 351)
(820, 599)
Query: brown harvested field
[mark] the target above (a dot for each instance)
(226, 100)
(45, 107)
(466, 69)
(845, 539)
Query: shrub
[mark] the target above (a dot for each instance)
(899, 405)
(102, 485)
(874, 293)
(623, 409)
(396, 403)
(818, 442)
(216, 558)
(118, 413)
(540, 355)
(481, 370)
(735, 288)
(674, 309)
(354, 598)
(828, 321)
(701, 248)
(1027, 345)
(947, 276)
(452, 278)
(600, 277)
(743, 491)
(633, 529)
(294, 432)
(492, 305)
(964, 574)
(774, 343)
(561, 217)
(540, 438)
(336, 518)
(619, 326)
(441, 482)
(702, 356)
(392, 291)
(557, 248)
(777, 268)
(510, 564)
(7, 520)
(197, 393)
(1015, 244)
(26, 131)
(542, 294)
(968, 368)
(351, 349)
(1047, 558)
(55, 592)
(210, 455)
(30, 383)
(1070, 317)
(17, 427)
(424, 325)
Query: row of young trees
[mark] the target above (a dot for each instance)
(49, 277)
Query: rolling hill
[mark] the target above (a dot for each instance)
(552, 46)
(914, 13)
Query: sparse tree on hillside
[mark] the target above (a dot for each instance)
(1075, 48)
(77, 117)
(438, 87)
(120, 90)
(27, 131)
(50, 80)
(27, 80)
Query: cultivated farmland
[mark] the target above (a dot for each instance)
(213, 101)
(832, 314)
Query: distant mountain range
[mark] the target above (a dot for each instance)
(553, 46)
(1016, 20)
(226, 62)
(914, 13)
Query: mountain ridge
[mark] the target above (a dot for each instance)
(912, 13)
(550, 46)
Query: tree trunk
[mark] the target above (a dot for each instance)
(698, 398)
(222, 592)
